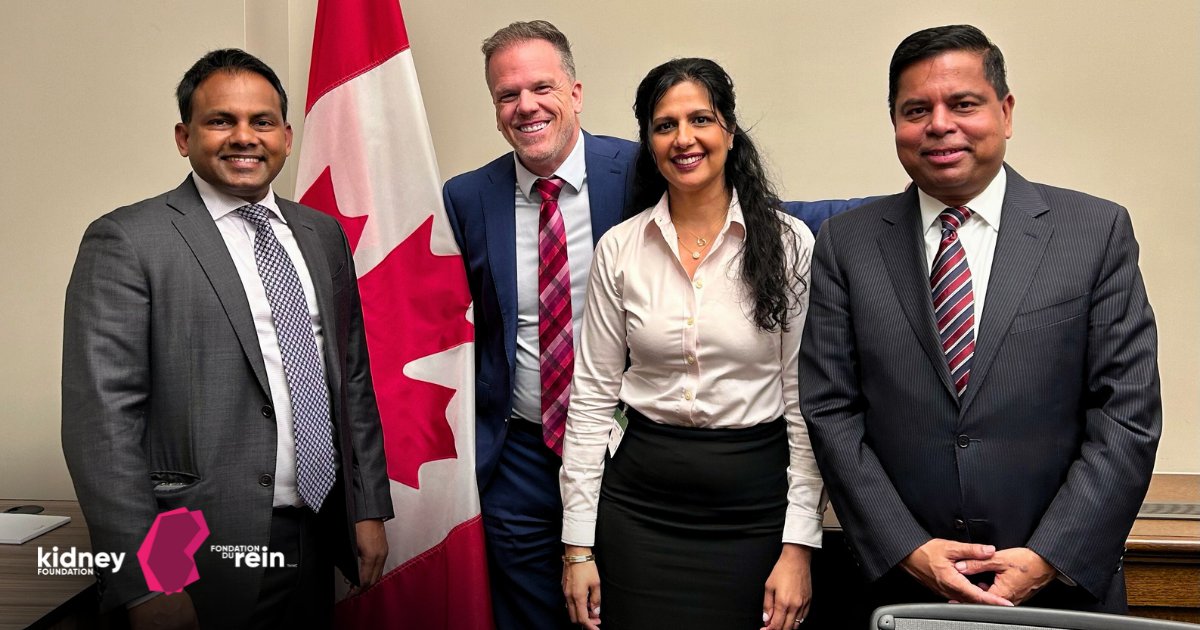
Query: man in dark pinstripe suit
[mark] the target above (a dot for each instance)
(979, 366)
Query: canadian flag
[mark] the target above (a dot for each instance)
(367, 159)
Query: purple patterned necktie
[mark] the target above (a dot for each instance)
(555, 337)
(301, 361)
(954, 298)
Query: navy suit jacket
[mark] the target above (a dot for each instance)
(481, 205)
(1051, 446)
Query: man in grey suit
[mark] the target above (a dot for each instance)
(994, 455)
(214, 359)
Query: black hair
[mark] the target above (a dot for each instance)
(232, 60)
(773, 277)
(932, 42)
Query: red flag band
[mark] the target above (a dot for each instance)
(367, 159)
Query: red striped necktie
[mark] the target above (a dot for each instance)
(555, 336)
(954, 298)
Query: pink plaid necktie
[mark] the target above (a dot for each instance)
(555, 337)
(954, 298)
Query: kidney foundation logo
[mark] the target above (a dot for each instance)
(167, 555)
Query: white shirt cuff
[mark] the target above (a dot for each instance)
(802, 528)
(579, 530)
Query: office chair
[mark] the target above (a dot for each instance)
(969, 617)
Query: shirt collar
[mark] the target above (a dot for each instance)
(573, 171)
(987, 205)
(220, 204)
(660, 216)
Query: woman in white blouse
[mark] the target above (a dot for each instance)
(707, 514)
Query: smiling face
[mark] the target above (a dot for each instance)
(688, 140)
(537, 103)
(951, 128)
(237, 139)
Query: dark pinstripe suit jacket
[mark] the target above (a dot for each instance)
(1053, 442)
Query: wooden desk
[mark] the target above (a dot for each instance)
(1162, 558)
(43, 601)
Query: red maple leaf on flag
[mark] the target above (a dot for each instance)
(414, 306)
(320, 196)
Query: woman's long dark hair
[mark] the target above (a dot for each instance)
(774, 284)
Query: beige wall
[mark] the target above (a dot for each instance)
(1106, 91)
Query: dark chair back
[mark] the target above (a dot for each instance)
(814, 213)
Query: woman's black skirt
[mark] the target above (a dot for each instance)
(690, 525)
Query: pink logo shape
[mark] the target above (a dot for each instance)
(167, 554)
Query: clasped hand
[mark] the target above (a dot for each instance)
(1020, 573)
(944, 566)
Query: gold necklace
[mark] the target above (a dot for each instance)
(694, 252)
(701, 242)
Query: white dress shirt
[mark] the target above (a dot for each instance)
(238, 234)
(577, 222)
(698, 360)
(977, 235)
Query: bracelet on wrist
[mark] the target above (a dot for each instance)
(578, 559)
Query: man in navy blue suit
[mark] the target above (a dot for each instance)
(496, 213)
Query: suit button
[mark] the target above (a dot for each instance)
(266, 480)
(960, 524)
(963, 441)
(268, 412)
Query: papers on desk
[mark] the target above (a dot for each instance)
(16, 529)
(1174, 510)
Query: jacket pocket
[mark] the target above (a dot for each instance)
(1049, 315)
(483, 396)
(167, 482)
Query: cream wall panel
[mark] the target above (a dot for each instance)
(1106, 103)
(89, 112)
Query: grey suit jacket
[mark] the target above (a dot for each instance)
(1053, 442)
(165, 401)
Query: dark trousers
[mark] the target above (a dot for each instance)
(522, 520)
(299, 594)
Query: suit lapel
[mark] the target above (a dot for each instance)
(606, 201)
(1020, 246)
(318, 269)
(500, 230)
(198, 230)
(903, 253)
(606, 187)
